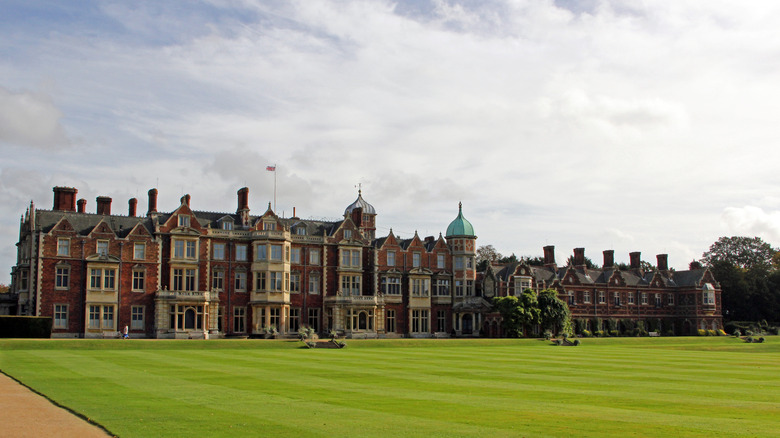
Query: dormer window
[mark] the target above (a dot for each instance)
(227, 225)
(184, 220)
(301, 231)
(347, 234)
(269, 226)
(708, 295)
(102, 247)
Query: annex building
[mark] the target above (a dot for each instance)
(197, 274)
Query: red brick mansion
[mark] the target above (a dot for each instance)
(196, 274)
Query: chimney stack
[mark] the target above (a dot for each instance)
(609, 258)
(132, 204)
(243, 205)
(185, 200)
(64, 198)
(82, 205)
(103, 205)
(635, 259)
(152, 201)
(549, 256)
(663, 264)
(579, 257)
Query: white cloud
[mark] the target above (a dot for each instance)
(30, 119)
(598, 126)
(752, 221)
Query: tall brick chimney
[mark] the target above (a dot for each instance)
(64, 198)
(131, 207)
(103, 205)
(663, 264)
(579, 257)
(185, 200)
(609, 258)
(243, 205)
(549, 256)
(82, 205)
(635, 259)
(152, 201)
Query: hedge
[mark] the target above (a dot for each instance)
(25, 326)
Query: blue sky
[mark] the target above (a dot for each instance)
(599, 124)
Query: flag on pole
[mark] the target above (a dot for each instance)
(271, 168)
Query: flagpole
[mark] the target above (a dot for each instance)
(274, 187)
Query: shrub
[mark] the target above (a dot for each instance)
(721, 332)
(614, 333)
(774, 330)
(749, 339)
(25, 327)
(628, 326)
(558, 342)
(547, 335)
(702, 332)
(712, 333)
(737, 333)
(749, 332)
(761, 339)
(576, 342)
(598, 333)
(587, 333)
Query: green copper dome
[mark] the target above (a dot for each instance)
(460, 226)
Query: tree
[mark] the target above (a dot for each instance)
(554, 313)
(486, 255)
(4, 288)
(740, 251)
(694, 264)
(517, 313)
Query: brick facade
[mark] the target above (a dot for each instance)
(198, 274)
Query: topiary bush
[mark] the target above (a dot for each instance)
(587, 333)
(761, 339)
(749, 339)
(576, 342)
(547, 335)
(737, 333)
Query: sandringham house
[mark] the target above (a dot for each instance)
(197, 274)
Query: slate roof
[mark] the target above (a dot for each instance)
(83, 223)
(631, 277)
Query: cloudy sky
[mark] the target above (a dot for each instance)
(633, 126)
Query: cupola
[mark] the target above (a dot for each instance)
(460, 226)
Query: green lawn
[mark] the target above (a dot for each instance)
(714, 386)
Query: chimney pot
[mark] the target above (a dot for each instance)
(132, 204)
(64, 198)
(579, 257)
(663, 264)
(82, 205)
(609, 258)
(549, 256)
(103, 205)
(635, 259)
(152, 201)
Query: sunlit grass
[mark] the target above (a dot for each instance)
(605, 387)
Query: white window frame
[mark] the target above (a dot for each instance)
(61, 277)
(242, 252)
(139, 251)
(137, 317)
(218, 251)
(314, 257)
(63, 247)
(60, 316)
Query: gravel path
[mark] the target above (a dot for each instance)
(24, 413)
